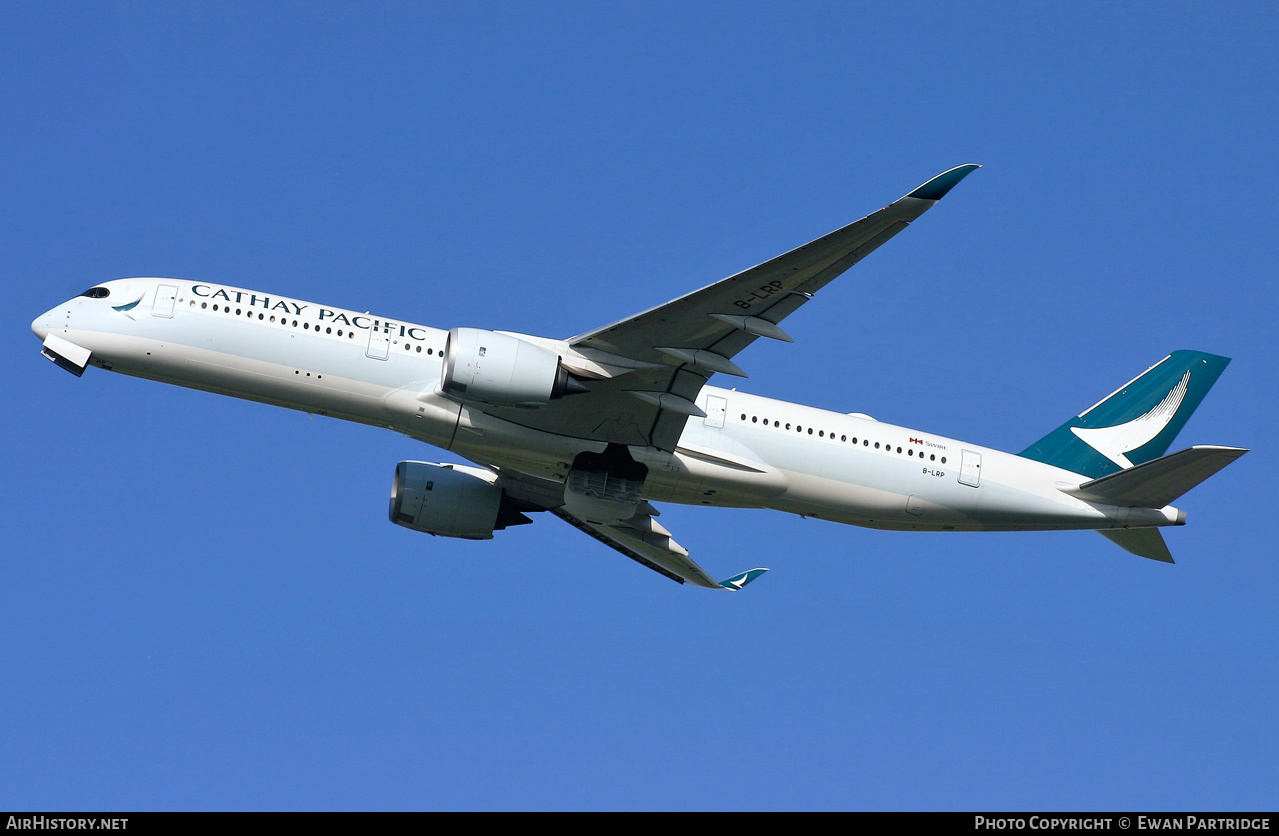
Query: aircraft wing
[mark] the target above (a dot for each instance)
(644, 540)
(652, 365)
(641, 538)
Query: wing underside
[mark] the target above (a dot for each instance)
(641, 537)
(643, 540)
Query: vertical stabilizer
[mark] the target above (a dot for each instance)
(1137, 422)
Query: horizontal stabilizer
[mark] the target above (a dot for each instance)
(1159, 482)
(1143, 542)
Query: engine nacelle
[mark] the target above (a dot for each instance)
(450, 500)
(500, 369)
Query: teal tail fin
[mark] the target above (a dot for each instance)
(1137, 422)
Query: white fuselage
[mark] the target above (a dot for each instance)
(748, 451)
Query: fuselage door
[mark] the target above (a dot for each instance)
(970, 468)
(715, 409)
(379, 340)
(165, 296)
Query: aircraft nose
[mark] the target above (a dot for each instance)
(52, 320)
(44, 323)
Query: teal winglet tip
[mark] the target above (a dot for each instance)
(936, 188)
(738, 581)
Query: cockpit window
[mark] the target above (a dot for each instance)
(97, 293)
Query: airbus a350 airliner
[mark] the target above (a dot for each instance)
(597, 427)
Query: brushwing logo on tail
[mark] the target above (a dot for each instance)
(1115, 442)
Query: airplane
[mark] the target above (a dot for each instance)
(596, 428)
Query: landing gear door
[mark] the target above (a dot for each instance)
(970, 468)
(715, 409)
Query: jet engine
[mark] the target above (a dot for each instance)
(451, 501)
(501, 369)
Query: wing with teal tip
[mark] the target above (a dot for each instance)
(644, 540)
(647, 542)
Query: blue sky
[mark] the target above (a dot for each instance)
(205, 607)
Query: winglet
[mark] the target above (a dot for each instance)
(936, 188)
(736, 582)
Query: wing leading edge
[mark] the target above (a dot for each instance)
(708, 318)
